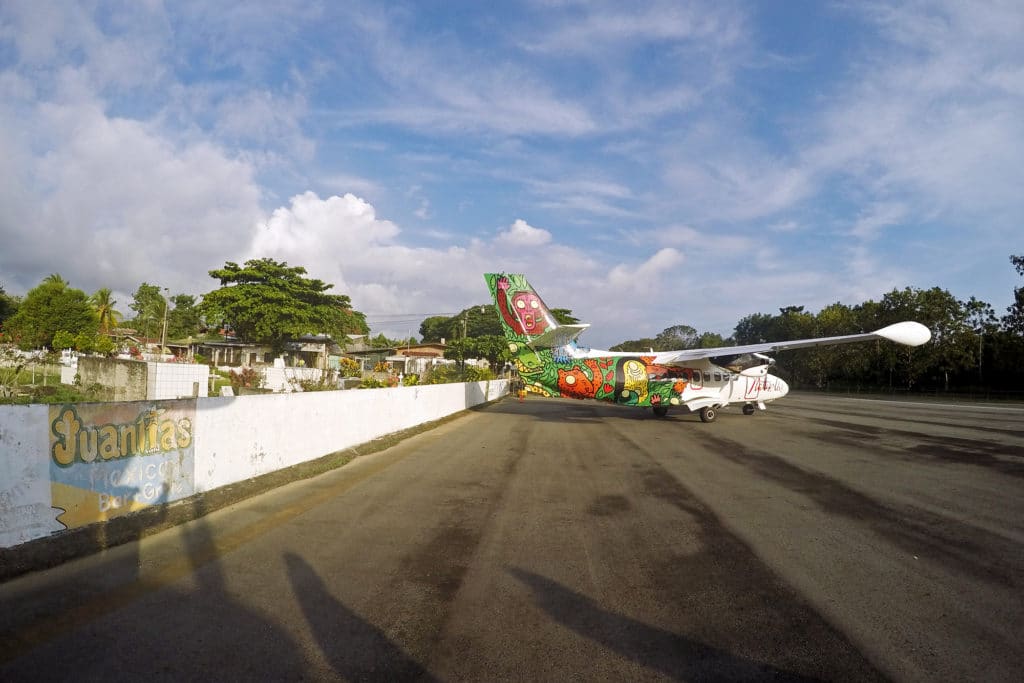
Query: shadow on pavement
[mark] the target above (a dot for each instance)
(669, 653)
(355, 649)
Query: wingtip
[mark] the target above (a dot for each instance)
(907, 333)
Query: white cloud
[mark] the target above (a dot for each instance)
(324, 235)
(877, 217)
(522, 234)
(113, 203)
(930, 113)
(647, 275)
(601, 27)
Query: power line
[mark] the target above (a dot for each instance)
(407, 315)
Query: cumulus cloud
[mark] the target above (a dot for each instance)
(113, 203)
(326, 236)
(646, 276)
(522, 234)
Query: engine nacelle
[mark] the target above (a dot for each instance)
(747, 364)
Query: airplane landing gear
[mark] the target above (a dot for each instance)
(748, 409)
(708, 414)
(660, 411)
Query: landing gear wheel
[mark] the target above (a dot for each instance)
(660, 411)
(748, 409)
(708, 414)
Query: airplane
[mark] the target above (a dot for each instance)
(552, 363)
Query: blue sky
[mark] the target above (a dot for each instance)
(645, 164)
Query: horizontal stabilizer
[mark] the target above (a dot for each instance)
(557, 336)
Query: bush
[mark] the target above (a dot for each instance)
(349, 367)
(85, 342)
(372, 383)
(246, 377)
(63, 340)
(475, 374)
(104, 345)
(328, 382)
(442, 374)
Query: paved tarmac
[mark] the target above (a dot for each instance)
(827, 539)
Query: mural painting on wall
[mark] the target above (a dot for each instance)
(109, 459)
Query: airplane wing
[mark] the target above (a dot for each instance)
(906, 333)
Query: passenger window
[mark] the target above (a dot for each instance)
(718, 377)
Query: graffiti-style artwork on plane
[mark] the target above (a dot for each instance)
(552, 363)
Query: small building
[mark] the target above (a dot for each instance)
(232, 353)
(416, 359)
(310, 351)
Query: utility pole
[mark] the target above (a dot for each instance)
(163, 336)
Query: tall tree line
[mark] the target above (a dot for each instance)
(972, 347)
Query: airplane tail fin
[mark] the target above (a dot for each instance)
(524, 316)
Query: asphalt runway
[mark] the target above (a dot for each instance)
(826, 539)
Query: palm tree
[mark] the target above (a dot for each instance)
(104, 307)
(55, 279)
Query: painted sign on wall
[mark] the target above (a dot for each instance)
(109, 459)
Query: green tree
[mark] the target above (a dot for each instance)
(271, 302)
(981, 319)
(712, 340)
(953, 347)
(379, 342)
(48, 308)
(457, 350)
(435, 328)
(670, 339)
(493, 347)
(677, 337)
(103, 303)
(149, 306)
(754, 329)
(8, 306)
(476, 321)
(1013, 321)
(183, 320)
(635, 345)
(564, 316)
(845, 362)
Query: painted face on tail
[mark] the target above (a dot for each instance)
(529, 310)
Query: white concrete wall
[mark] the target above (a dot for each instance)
(228, 440)
(176, 380)
(25, 511)
(284, 379)
(272, 431)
